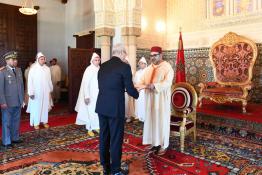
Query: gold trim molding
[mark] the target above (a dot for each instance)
(130, 31)
(105, 31)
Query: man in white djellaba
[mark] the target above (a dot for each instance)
(86, 102)
(140, 106)
(39, 90)
(56, 73)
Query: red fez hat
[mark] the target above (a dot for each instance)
(156, 49)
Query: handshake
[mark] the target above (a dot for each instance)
(149, 86)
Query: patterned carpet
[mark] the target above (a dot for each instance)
(227, 119)
(68, 150)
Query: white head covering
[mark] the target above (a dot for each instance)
(39, 54)
(143, 60)
(95, 55)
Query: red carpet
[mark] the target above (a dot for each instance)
(53, 121)
(233, 110)
(173, 162)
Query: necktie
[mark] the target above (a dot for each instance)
(14, 71)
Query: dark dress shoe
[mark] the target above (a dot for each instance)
(17, 141)
(9, 146)
(106, 172)
(120, 173)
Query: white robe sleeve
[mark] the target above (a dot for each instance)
(167, 83)
(136, 78)
(142, 80)
(86, 84)
(30, 84)
(50, 84)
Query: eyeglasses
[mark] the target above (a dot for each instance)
(154, 55)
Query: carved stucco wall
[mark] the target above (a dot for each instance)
(199, 30)
(153, 11)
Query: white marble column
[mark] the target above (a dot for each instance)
(105, 48)
(132, 52)
(129, 38)
(105, 35)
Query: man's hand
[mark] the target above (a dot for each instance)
(150, 86)
(87, 101)
(140, 87)
(23, 105)
(3, 106)
(32, 97)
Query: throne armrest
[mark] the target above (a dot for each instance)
(245, 88)
(187, 111)
(207, 85)
(183, 114)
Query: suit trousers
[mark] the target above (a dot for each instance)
(111, 140)
(10, 124)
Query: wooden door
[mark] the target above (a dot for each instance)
(25, 38)
(5, 34)
(17, 32)
(78, 60)
(85, 41)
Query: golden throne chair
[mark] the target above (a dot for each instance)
(183, 116)
(232, 58)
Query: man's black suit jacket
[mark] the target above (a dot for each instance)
(114, 78)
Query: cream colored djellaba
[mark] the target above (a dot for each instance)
(158, 104)
(40, 87)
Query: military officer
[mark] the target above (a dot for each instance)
(11, 100)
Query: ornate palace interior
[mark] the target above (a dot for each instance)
(216, 130)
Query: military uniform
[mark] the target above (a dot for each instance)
(11, 94)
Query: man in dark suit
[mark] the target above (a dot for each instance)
(114, 78)
(11, 100)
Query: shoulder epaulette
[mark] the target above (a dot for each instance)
(2, 68)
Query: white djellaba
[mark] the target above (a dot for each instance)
(40, 86)
(140, 106)
(88, 90)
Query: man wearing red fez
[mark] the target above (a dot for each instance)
(157, 81)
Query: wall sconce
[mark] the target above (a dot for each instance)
(143, 23)
(160, 26)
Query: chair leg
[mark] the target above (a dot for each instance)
(244, 104)
(200, 102)
(194, 134)
(182, 139)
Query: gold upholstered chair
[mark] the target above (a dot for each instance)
(183, 117)
(232, 58)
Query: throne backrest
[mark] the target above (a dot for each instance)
(184, 97)
(233, 58)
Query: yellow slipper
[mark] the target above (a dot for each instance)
(90, 133)
(46, 125)
(36, 127)
(161, 152)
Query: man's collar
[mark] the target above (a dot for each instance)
(115, 57)
(10, 67)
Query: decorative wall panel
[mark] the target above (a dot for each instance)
(17, 32)
(199, 69)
